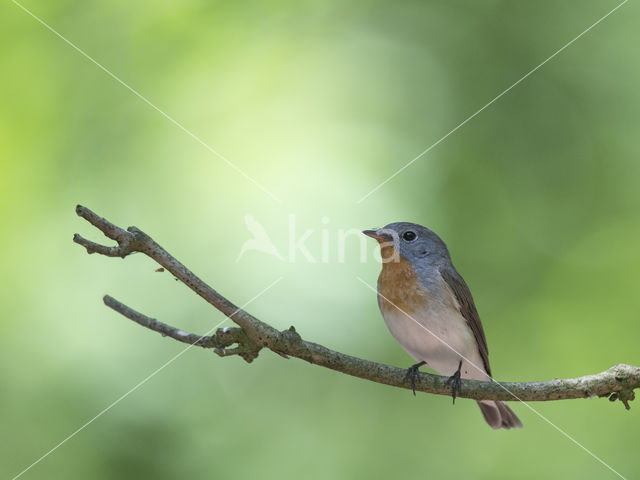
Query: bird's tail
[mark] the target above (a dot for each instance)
(498, 415)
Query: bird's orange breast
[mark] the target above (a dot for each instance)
(399, 287)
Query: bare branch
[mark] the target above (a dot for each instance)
(135, 240)
(220, 341)
(109, 229)
(93, 247)
(617, 383)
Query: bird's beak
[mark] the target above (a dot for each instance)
(378, 235)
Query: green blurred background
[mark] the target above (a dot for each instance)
(538, 198)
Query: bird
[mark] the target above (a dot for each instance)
(429, 310)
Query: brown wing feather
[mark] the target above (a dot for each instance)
(468, 309)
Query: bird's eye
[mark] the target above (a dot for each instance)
(409, 236)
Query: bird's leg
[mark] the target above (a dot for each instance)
(454, 380)
(412, 374)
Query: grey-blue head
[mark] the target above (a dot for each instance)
(414, 242)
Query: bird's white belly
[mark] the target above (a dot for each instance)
(441, 340)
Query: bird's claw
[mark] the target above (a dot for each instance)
(412, 373)
(456, 384)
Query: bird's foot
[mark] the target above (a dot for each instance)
(412, 373)
(455, 382)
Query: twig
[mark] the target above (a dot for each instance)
(617, 383)
(220, 341)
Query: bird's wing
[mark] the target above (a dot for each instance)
(468, 310)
